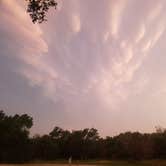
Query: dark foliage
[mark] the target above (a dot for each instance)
(17, 146)
(37, 9)
(14, 137)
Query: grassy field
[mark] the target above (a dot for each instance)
(122, 163)
(131, 163)
(126, 163)
(95, 163)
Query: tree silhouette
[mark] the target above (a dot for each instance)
(37, 9)
(16, 145)
(14, 137)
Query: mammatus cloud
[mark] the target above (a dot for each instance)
(29, 47)
(93, 51)
(117, 54)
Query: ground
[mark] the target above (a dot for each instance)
(95, 163)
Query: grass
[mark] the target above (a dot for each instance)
(95, 162)
(125, 163)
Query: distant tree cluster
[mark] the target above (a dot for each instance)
(17, 146)
(37, 9)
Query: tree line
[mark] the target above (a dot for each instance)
(16, 145)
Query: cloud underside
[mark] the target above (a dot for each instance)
(88, 53)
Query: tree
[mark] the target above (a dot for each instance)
(61, 138)
(14, 137)
(37, 9)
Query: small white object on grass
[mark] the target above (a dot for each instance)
(70, 160)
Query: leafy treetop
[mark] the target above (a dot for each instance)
(37, 9)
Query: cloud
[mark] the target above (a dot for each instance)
(116, 13)
(29, 48)
(91, 55)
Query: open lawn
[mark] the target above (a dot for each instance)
(97, 163)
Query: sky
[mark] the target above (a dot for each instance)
(94, 63)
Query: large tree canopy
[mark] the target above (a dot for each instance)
(37, 9)
(14, 137)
